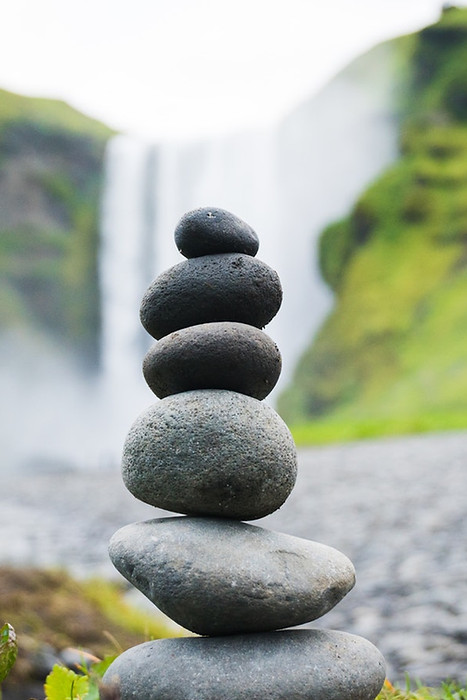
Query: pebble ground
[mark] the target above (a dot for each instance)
(396, 507)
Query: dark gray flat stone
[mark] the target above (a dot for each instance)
(215, 576)
(210, 230)
(210, 452)
(230, 287)
(223, 355)
(292, 665)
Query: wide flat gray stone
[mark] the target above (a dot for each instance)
(292, 665)
(223, 355)
(211, 230)
(230, 287)
(215, 576)
(210, 452)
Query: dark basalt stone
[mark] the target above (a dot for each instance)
(230, 287)
(217, 577)
(222, 355)
(210, 452)
(209, 230)
(295, 664)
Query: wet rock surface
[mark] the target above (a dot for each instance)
(395, 507)
(210, 230)
(333, 666)
(230, 287)
(225, 577)
(210, 452)
(223, 355)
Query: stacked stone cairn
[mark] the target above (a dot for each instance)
(213, 451)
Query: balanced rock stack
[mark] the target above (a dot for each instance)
(213, 451)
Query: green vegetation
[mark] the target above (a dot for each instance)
(65, 684)
(48, 113)
(49, 609)
(51, 166)
(332, 430)
(84, 683)
(8, 651)
(448, 691)
(392, 356)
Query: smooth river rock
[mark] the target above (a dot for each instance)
(223, 355)
(291, 665)
(210, 230)
(210, 452)
(230, 287)
(215, 576)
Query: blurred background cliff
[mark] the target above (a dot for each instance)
(358, 194)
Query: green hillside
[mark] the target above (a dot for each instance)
(51, 166)
(49, 114)
(392, 355)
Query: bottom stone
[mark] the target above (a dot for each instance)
(288, 665)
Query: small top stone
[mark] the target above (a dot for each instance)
(208, 231)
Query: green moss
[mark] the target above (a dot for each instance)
(54, 114)
(335, 248)
(51, 178)
(394, 349)
(346, 428)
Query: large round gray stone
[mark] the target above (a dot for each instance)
(215, 576)
(230, 287)
(210, 230)
(223, 355)
(210, 452)
(292, 665)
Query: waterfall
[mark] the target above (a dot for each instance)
(123, 253)
(125, 269)
(287, 182)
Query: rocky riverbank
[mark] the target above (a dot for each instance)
(395, 507)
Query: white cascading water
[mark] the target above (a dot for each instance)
(127, 228)
(287, 182)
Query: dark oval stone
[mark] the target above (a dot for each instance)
(210, 452)
(215, 576)
(231, 287)
(298, 664)
(222, 355)
(209, 230)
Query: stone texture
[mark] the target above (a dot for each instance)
(221, 355)
(376, 516)
(217, 577)
(292, 665)
(230, 287)
(210, 230)
(210, 452)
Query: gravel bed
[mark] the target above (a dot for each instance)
(396, 507)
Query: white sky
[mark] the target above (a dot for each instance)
(184, 68)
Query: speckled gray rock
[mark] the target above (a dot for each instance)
(223, 355)
(218, 577)
(291, 665)
(210, 230)
(230, 287)
(210, 452)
